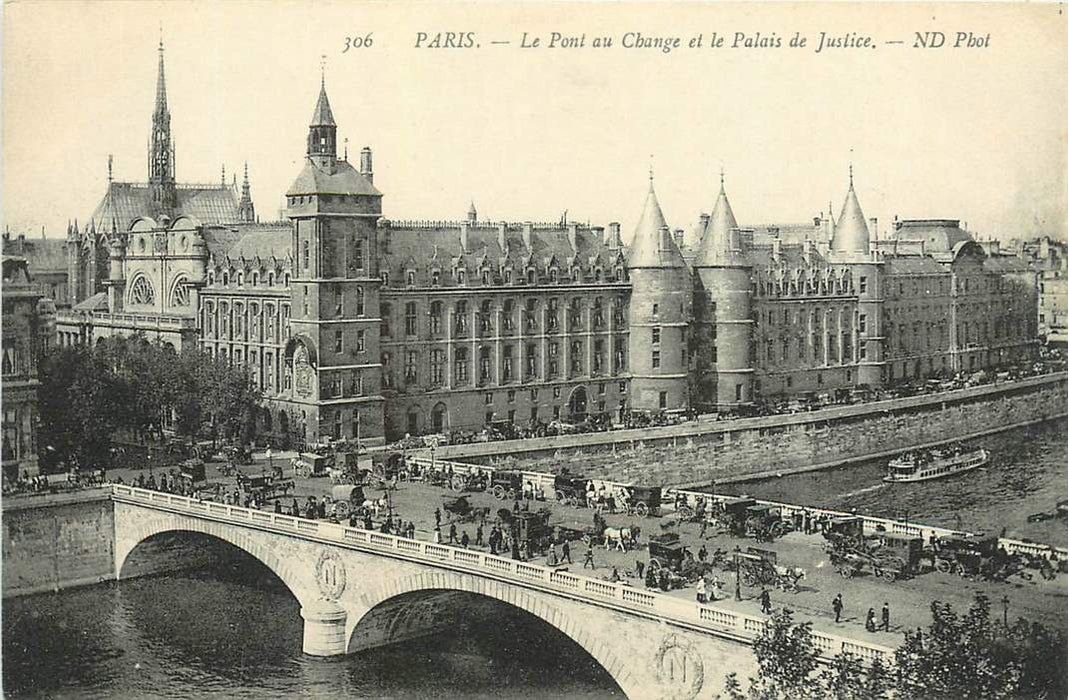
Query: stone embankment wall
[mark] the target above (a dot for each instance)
(57, 541)
(700, 452)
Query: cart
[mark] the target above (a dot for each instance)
(644, 500)
(264, 487)
(570, 490)
(757, 567)
(764, 522)
(311, 464)
(348, 499)
(730, 512)
(506, 485)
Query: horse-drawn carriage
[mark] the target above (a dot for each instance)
(472, 480)
(672, 562)
(764, 522)
(643, 500)
(975, 556)
(237, 454)
(348, 499)
(528, 529)
(886, 555)
(570, 489)
(264, 487)
(460, 510)
(690, 512)
(506, 485)
(311, 464)
(760, 567)
(731, 513)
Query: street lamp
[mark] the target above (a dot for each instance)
(737, 577)
(1005, 607)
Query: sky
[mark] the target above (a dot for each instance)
(978, 134)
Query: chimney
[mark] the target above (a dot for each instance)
(614, 240)
(679, 238)
(502, 229)
(776, 249)
(463, 236)
(874, 221)
(572, 235)
(366, 168)
(528, 233)
(598, 234)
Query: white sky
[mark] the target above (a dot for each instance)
(978, 134)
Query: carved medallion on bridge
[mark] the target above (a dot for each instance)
(330, 575)
(679, 669)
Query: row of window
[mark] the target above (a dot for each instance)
(485, 316)
(250, 321)
(253, 277)
(530, 364)
(505, 276)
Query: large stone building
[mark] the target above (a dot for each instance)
(1049, 260)
(28, 330)
(355, 325)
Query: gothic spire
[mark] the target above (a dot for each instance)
(161, 85)
(161, 148)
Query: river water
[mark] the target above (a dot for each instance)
(236, 631)
(1027, 473)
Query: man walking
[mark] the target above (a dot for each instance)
(452, 533)
(765, 601)
(437, 517)
(478, 535)
(886, 616)
(588, 561)
(565, 552)
(837, 605)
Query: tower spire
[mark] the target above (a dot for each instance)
(161, 148)
(245, 209)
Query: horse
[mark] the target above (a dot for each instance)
(788, 577)
(621, 536)
(377, 505)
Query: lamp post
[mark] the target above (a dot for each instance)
(1005, 609)
(737, 577)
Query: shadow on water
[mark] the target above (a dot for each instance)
(235, 631)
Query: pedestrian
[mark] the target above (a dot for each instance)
(639, 567)
(515, 508)
(886, 617)
(295, 508)
(437, 517)
(704, 527)
(464, 540)
(565, 552)
(702, 594)
(650, 578)
(437, 534)
(278, 507)
(588, 561)
(765, 601)
(837, 606)
(452, 533)
(478, 535)
(702, 553)
(615, 575)
(869, 623)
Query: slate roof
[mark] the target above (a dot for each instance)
(97, 302)
(124, 202)
(43, 255)
(913, 265)
(938, 235)
(249, 241)
(341, 178)
(653, 244)
(851, 233)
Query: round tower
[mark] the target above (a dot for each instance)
(661, 302)
(724, 283)
(116, 273)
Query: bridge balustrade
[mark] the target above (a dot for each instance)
(678, 610)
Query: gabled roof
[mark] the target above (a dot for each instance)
(339, 178)
(653, 245)
(97, 302)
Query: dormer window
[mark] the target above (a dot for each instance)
(531, 276)
(435, 278)
(552, 275)
(411, 278)
(461, 277)
(507, 276)
(385, 277)
(485, 277)
(597, 275)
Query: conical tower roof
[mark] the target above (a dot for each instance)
(851, 232)
(653, 245)
(323, 115)
(719, 242)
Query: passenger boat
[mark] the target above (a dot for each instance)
(936, 463)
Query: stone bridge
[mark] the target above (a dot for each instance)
(359, 589)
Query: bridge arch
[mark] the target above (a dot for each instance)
(147, 529)
(393, 611)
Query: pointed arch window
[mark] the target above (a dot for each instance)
(180, 293)
(142, 292)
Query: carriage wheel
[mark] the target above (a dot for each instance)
(641, 509)
(499, 492)
(341, 508)
(511, 494)
(686, 513)
(943, 566)
(846, 572)
(655, 566)
(889, 575)
(457, 483)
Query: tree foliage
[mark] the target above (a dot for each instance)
(131, 384)
(958, 656)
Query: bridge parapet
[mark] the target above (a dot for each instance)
(687, 614)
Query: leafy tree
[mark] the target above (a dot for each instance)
(81, 403)
(845, 678)
(971, 656)
(787, 659)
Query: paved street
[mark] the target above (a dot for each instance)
(909, 600)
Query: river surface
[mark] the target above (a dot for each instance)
(237, 634)
(1027, 473)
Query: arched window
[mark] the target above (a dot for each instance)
(180, 293)
(141, 292)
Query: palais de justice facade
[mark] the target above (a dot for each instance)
(355, 325)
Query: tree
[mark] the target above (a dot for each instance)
(970, 656)
(787, 658)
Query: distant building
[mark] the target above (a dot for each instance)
(28, 329)
(47, 261)
(1049, 259)
(355, 325)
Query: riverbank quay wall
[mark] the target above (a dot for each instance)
(52, 542)
(701, 452)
